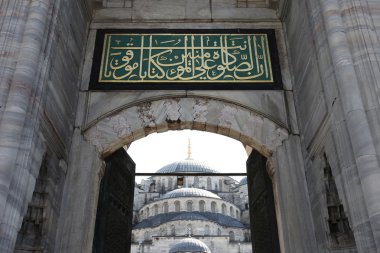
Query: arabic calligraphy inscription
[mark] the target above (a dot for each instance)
(186, 58)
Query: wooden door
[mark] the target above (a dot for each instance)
(264, 231)
(113, 226)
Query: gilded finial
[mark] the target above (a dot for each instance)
(189, 150)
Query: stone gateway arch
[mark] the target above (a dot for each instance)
(312, 127)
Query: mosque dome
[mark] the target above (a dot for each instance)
(190, 192)
(187, 166)
(190, 245)
(243, 181)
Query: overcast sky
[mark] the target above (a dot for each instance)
(157, 150)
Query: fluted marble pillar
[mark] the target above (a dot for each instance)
(21, 146)
(359, 125)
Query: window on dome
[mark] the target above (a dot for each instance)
(232, 211)
(189, 206)
(155, 209)
(177, 206)
(166, 207)
(224, 209)
(180, 181)
(209, 183)
(196, 182)
(189, 229)
(220, 185)
(170, 183)
(232, 236)
(207, 230)
(201, 206)
(213, 207)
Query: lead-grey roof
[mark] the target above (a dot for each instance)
(187, 166)
(190, 245)
(189, 192)
(157, 220)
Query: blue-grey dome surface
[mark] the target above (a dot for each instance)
(190, 245)
(189, 192)
(243, 181)
(187, 166)
(157, 220)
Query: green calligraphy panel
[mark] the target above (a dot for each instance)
(161, 57)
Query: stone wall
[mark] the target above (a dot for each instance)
(42, 44)
(334, 54)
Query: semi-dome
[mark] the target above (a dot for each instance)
(190, 245)
(187, 166)
(189, 192)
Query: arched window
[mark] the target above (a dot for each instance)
(213, 207)
(201, 206)
(163, 231)
(189, 229)
(147, 212)
(172, 230)
(155, 209)
(163, 184)
(170, 184)
(196, 182)
(146, 236)
(232, 236)
(219, 232)
(207, 230)
(237, 214)
(220, 185)
(189, 206)
(224, 209)
(166, 207)
(177, 206)
(209, 183)
(247, 237)
(232, 212)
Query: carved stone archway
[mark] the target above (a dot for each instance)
(116, 128)
(129, 124)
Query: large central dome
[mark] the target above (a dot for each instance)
(187, 166)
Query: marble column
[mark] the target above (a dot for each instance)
(19, 127)
(354, 111)
(77, 218)
(295, 222)
(12, 23)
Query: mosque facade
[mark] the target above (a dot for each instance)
(170, 211)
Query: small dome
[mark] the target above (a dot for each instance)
(243, 181)
(190, 192)
(190, 245)
(189, 166)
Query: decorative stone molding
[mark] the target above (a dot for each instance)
(133, 123)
